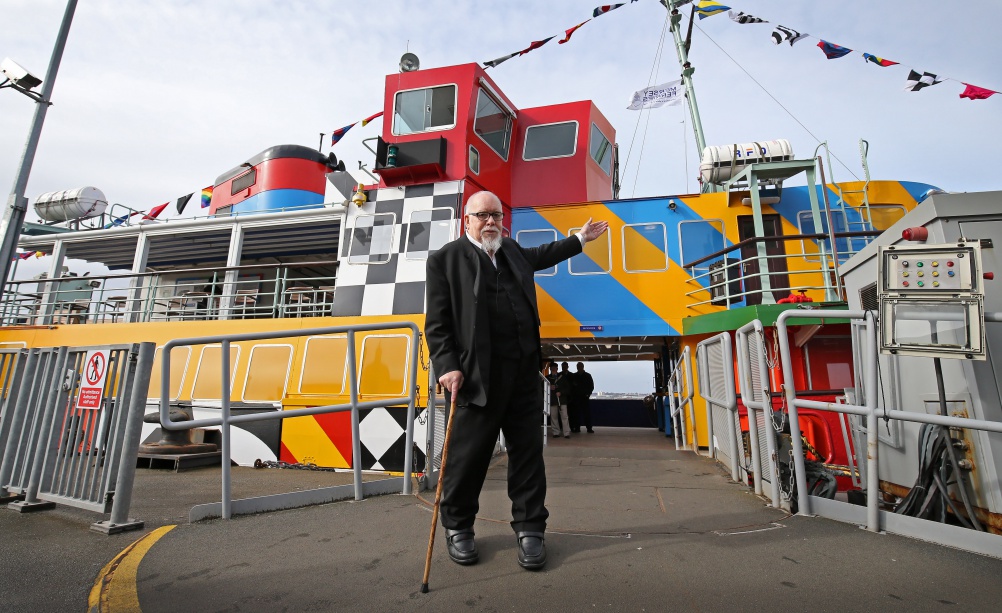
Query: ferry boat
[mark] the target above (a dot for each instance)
(291, 241)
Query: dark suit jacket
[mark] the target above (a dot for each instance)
(456, 326)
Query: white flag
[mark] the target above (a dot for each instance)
(658, 96)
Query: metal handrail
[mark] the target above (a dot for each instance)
(112, 296)
(225, 419)
(786, 237)
(682, 368)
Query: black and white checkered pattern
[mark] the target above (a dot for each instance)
(383, 439)
(385, 244)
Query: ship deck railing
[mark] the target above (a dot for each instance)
(236, 292)
(726, 278)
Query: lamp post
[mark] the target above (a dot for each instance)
(17, 204)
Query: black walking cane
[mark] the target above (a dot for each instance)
(438, 495)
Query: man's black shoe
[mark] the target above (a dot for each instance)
(462, 547)
(531, 550)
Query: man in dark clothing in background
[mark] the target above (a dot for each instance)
(583, 386)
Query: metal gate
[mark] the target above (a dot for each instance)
(753, 374)
(75, 428)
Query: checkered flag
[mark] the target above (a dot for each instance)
(917, 81)
(742, 18)
(782, 33)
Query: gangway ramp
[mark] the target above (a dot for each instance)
(634, 525)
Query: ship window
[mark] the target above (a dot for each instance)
(383, 365)
(554, 140)
(372, 239)
(596, 259)
(884, 216)
(535, 238)
(811, 248)
(243, 182)
(698, 238)
(267, 373)
(645, 247)
(179, 358)
(424, 110)
(325, 365)
(492, 124)
(600, 149)
(474, 160)
(427, 231)
(208, 376)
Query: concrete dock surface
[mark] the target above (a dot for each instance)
(634, 526)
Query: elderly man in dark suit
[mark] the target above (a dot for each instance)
(482, 329)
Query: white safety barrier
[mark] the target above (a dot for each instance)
(715, 365)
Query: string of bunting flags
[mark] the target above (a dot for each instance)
(915, 81)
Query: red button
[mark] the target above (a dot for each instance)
(904, 283)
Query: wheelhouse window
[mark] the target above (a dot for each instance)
(424, 110)
(812, 248)
(427, 231)
(600, 149)
(535, 238)
(474, 160)
(372, 239)
(492, 124)
(555, 140)
(243, 182)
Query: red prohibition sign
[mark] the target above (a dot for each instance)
(95, 368)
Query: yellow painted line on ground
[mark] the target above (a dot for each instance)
(120, 594)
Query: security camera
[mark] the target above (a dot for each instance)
(19, 76)
(671, 205)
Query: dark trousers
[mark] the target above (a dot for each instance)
(515, 407)
(584, 412)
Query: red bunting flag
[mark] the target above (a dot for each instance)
(536, 44)
(368, 119)
(568, 33)
(977, 93)
(156, 211)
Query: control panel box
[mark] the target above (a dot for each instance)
(932, 300)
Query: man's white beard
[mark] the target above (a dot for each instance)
(491, 243)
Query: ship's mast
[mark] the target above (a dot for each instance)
(687, 70)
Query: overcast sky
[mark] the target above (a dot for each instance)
(155, 99)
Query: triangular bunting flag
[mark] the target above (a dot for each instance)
(500, 60)
(536, 44)
(155, 211)
(605, 8)
(183, 202)
(336, 135)
(708, 8)
(366, 121)
(879, 61)
(567, 34)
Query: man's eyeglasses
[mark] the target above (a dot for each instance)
(483, 215)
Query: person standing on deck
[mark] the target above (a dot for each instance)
(482, 330)
(584, 385)
(572, 409)
(560, 394)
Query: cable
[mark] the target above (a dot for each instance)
(650, 78)
(788, 112)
